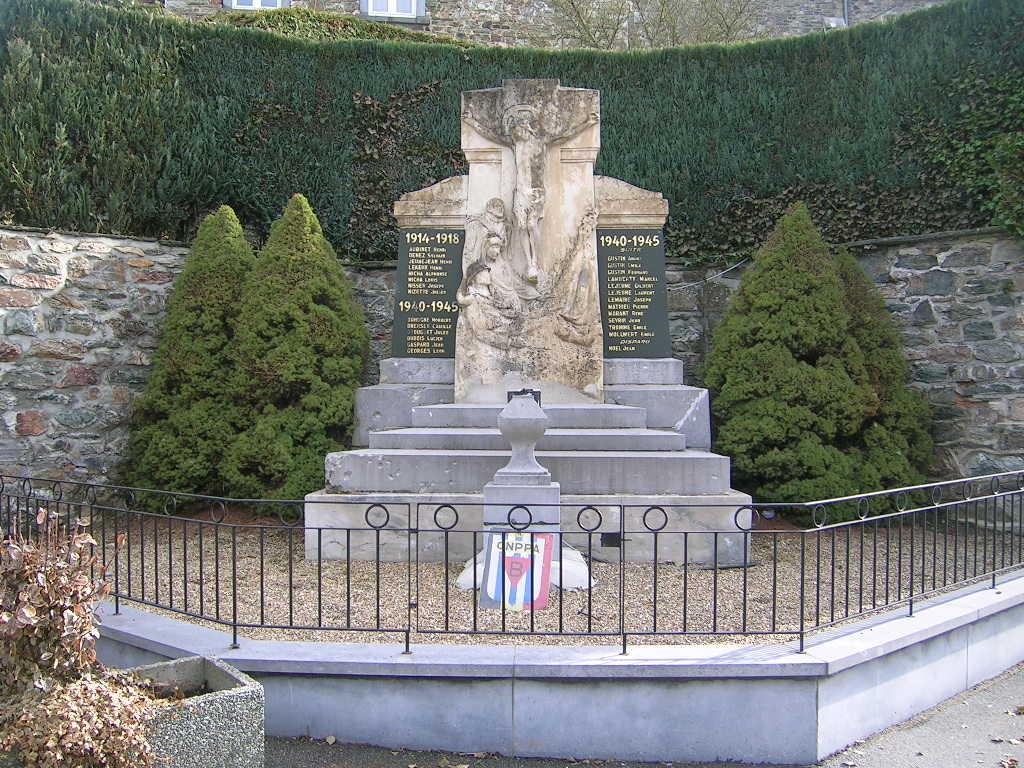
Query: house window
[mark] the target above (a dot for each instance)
(255, 5)
(399, 10)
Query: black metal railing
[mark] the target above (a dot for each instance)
(652, 573)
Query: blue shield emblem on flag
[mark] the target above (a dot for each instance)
(517, 570)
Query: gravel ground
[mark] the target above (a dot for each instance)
(189, 566)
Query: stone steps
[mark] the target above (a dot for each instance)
(387, 406)
(467, 471)
(555, 439)
(560, 416)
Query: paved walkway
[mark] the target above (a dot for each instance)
(978, 728)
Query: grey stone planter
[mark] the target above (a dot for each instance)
(219, 729)
(222, 728)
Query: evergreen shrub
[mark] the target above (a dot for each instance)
(299, 350)
(808, 382)
(187, 415)
(254, 379)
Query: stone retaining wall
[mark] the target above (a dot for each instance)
(524, 700)
(80, 316)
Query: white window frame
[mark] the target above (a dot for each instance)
(418, 13)
(256, 5)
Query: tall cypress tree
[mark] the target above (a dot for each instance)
(183, 420)
(807, 377)
(300, 346)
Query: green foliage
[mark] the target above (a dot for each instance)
(322, 26)
(183, 419)
(141, 6)
(99, 131)
(254, 379)
(1007, 161)
(978, 146)
(134, 122)
(807, 379)
(390, 157)
(299, 350)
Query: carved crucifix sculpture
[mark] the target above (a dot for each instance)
(531, 146)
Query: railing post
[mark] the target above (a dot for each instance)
(234, 586)
(411, 526)
(622, 578)
(803, 586)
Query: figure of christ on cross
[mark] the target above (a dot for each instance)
(530, 139)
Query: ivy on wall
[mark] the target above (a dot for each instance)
(390, 157)
(861, 212)
(1007, 160)
(975, 148)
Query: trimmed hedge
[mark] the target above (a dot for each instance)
(138, 123)
(321, 26)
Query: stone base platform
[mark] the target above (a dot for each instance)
(416, 485)
(654, 389)
(393, 470)
(425, 524)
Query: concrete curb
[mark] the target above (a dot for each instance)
(664, 703)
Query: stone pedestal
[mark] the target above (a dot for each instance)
(521, 497)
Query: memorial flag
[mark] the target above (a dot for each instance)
(517, 570)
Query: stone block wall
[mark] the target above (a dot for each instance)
(81, 315)
(958, 304)
(779, 18)
(535, 22)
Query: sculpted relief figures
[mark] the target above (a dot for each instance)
(491, 308)
(576, 323)
(530, 309)
(522, 129)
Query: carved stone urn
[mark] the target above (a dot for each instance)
(522, 423)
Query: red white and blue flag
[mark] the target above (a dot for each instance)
(517, 570)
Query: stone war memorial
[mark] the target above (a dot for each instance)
(529, 275)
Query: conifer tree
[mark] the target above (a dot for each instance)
(299, 350)
(183, 419)
(808, 380)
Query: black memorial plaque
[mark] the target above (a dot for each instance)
(634, 306)
(429, 273)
